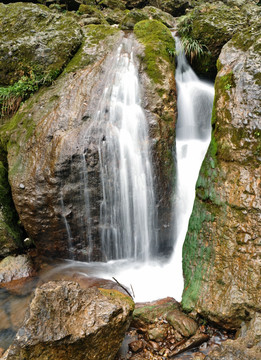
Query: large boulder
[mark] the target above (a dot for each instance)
(35, 40)
(51, 151)
(148, 12)
(175, 8)
(67, 322)
(45, 150)
(205, 29)
(222, 249)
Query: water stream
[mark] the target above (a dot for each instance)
(128, 208)
(128, 211)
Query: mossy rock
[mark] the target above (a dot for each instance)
(175, 8)
(114, 16)
(113, 4)
(148, 313)
(148, 12)
(212, 25)
(218, 260)
(159, 46)
(133, 17)
(35, 39)
(102, 37)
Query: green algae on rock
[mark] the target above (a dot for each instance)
(221, 254)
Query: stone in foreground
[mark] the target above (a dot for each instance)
(67, 322)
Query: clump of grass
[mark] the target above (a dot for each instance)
(192, 47)
(12, 96)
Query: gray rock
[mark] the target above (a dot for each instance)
(182, 323)
(247, 345)
(15, 268)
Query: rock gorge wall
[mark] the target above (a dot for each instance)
(222, 248)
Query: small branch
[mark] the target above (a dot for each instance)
(124, 288)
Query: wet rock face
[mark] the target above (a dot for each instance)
(159, 330)
(50, 156)
(53, 149)
(246, 345)
(222, 278)
(34, 39)
(157, 70)
(65, 321)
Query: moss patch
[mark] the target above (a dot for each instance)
(159, 47)
(117, 295)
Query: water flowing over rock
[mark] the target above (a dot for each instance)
(65, 321)
(222, 248)
(55, 155)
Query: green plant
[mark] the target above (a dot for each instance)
(192, 47)
(12, 96)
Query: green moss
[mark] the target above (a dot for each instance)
(158, 43)
(148, 313)
(257, 78)
(94, 34)
(115, 294)
(196, 255)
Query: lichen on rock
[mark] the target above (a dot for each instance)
(34, 39)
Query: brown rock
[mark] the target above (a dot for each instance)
(246, 345)
(195, 341)
(157, 333)
(65, 321)
(223, 273)
(182, 323)
(136, 346)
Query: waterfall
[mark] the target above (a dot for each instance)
(128, 206)
(127, 209)
(193, 133)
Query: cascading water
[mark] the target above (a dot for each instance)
(127, 212)
(193, 133)
(127, 217)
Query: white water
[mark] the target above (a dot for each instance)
(127, 211)
(193, 133)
